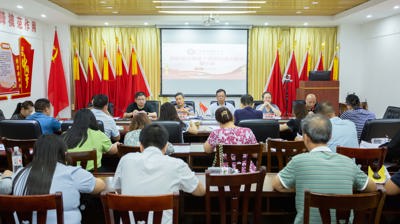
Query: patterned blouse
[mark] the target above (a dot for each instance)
(132, 138)
(232, 136)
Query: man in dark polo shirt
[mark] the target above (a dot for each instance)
(140, 106)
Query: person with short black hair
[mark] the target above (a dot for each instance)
(247, 111)
(23, 110)
(100, 105)
(140, 106)
(49, 125)
(220, 94)
(181, 107)
(356, 114)
(268, 107)
(151, 172)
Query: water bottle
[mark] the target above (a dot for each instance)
(16, 159)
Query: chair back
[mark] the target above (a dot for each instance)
(284, 151)
(125, 149)
(82, 157)
(25, 205)
(380, 128)
(365, 157)
(257, 102)
(229, 187)
(237, 154)
(392, 113)
(228, 101)
(189, 103)
(65, 125)
(262, 129)
(174, 130)
(155, 104)
(20, 129)
(140, 207)
(367, 207)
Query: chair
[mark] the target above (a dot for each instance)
(189, 103)
(392, 113)
(174, 130)
(65, 125)
(262, 129)
(257, 102)
(83, 157)
(365, 206)
(237, 197)
(228, 101)
(238, 152)
(365, 157)
(380, 128)
(155, 104)
(140, 206)
(285, 150)
(125, 149)
(25, 205)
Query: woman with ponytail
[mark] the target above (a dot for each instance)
(23, 110)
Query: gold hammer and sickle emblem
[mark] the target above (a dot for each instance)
(55, 53)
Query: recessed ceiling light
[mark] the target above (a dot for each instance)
(205, 7)
(369, 16)
(109, 7)
(20, 6)
(306, 7)
(305, 24)
(43, 16)
(298, 12)
(314, 3)
(106, 23)
(226, 23)
(396, 7)
(146, 23)
(102, 2)
(115, 12)
(207, 12)
(186, 23)
(266, 24)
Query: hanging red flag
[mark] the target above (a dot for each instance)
(274, 83)
(290, 84)
(57, 86)
(305, 67)
(123, 80)
(319, 66)
(139, 82)
(94, 81)
(80, 81)
(203, 107)
(108, 82)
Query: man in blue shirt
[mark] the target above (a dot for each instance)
(49, 125)
(247, 111)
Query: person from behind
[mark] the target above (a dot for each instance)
(169, 113)
(221, 97)
(311, 102)
(140, 106)
(268, 107)
(84, 135)
(356, 114)
(100, 105)
(320, 170)
(23, 110)
(49, 125)
(229, 134)
(181, 107)
(293, 126)
(151, 172)
(247, 111)
(138, 122)
(48, 174)
(344, 132)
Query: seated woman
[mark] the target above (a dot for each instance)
(293, 127)
(168, 113)
(247, 111)
(84, 135)
(138, 122)
(47, 174)
(268, 107)
(229, 134)
(23, 110)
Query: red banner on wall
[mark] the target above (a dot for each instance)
(24, 65)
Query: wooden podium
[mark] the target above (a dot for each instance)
(324, 90)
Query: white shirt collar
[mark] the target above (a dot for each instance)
(152, 150)
(321, 149)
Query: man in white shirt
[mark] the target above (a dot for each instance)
(100, 105)
(221, 96)
(151, 172)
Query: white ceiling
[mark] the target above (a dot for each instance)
(57, 15)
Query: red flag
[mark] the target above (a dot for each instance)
(123, 85)
(203, 107)
(80, 81)
(290, 84)
(94, 82)
(305, 67)
(108, 82)
(57, 86)
(320, 63)
(274, 84)
(139, 82)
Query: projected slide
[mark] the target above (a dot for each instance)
(200, 61)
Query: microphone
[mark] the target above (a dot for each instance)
(287, 78)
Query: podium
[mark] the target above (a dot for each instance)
(324, 90)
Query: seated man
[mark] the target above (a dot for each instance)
(181, 107)
(356, 114)
(151, 172)
(100, 105)
(311, 102)
(49, 125)
(268, 107)
(344, 132)
(248, 112)
(221, 96)
(320, 170)
(140, 106)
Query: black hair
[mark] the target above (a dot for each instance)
(99, 101)
(300, 110)
(26, 104)
(179, 94)
(317, 127)
(246, 100)
(139, 94)
(353, 101)
(168, 113)
(47, 152)
(223, 115)
(266, 92)
(220, 90)
(154, 135)
(41, 104)
(77, 134)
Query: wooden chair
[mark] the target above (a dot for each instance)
(365, 157)
(140, 207)
(367, 207)
(285, 150)
(83, 157)
(125, 149)
(240, 153)
(236, 196)
(25, 205)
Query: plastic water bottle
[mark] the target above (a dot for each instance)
(16, 159)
